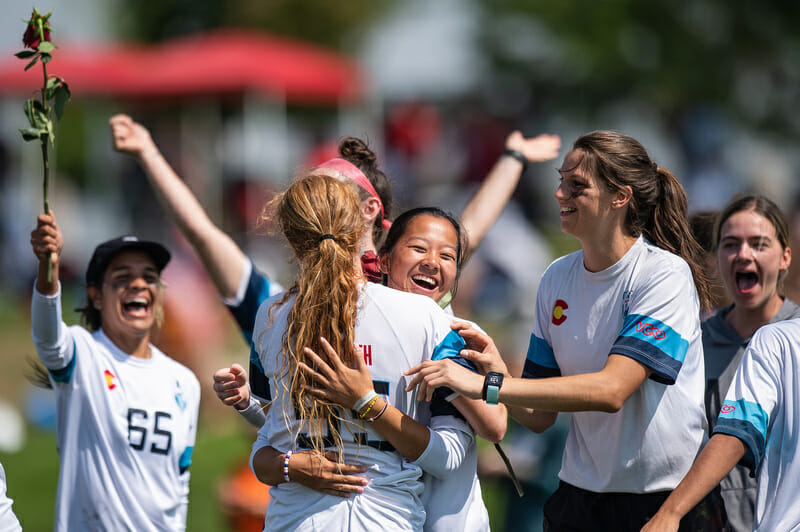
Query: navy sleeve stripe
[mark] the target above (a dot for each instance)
(665, 368)
(259, 384)
(533, 370)
(245, 313)
(540, 353)
(440, 406)
(750, 436)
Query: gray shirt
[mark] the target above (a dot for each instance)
(723, 349)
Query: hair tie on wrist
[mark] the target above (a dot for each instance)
(518, 156)
(327, 236)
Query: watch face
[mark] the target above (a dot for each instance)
(494, 379)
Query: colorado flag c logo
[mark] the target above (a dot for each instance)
(111, 380)
(558, 312)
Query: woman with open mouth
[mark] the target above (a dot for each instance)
(616, 342)
(752, 244)
(127, 413)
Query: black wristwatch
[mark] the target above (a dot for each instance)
(491, 387)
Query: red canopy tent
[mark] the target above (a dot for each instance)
(217, 63)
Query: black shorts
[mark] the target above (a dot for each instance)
(572, 509)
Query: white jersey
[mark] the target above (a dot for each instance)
(8, 521)
(125, 428)
(454, 501)
(762, 409)
(396, 330)
(645, 307)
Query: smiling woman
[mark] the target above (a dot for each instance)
(423, 253)
(127, 414)
(616, 342)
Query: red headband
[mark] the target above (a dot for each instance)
(351, 171)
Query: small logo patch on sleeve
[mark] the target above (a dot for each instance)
(558, 312)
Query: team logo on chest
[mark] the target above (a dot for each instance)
(558, 312)
(111, 379)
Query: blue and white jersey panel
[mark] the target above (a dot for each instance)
(395, 330)
(762, 409)
(254, 289)
(644, 307)
(126, 429)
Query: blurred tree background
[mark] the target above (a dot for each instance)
(330, 24)
(741, 57)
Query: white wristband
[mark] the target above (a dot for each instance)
(366, 398)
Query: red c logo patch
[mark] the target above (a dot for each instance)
(727, 409)
(558, 312)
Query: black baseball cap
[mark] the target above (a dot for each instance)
(106, 251)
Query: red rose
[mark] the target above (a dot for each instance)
(31, 39)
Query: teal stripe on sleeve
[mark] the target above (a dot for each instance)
(748, 422)
(657, 334)
(540, 361)
(63, 375)
(449, 347)
(186, 459)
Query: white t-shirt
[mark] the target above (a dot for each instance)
(645, 307)
(396, 331)
(125, 428)
(762, 409)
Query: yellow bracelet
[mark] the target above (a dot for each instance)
(363, 414)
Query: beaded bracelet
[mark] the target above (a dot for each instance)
(379, 414)
(363, 414)
(286, 466)
(364, 399)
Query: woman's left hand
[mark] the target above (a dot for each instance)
(335, 381)
(433, 374)
(480, 349)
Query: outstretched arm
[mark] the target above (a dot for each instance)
(489, 201)
(717, 459)
(604, 391)
(221, 257)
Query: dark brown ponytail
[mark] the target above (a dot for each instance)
(658, 208)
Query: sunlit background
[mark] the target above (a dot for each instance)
(240, 96)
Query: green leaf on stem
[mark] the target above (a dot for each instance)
(46, 47)
(61, 96)
(30, 133)
(33, 61)
(46, 57)
(25, 54)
